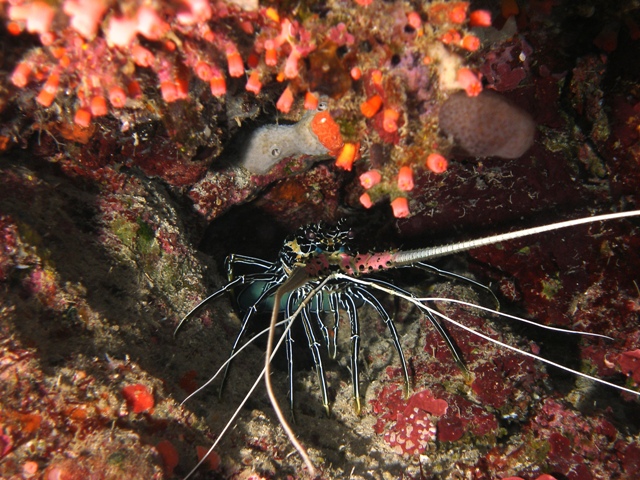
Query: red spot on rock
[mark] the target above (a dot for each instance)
(138, 397)
(490, 386)
(6, 443)
(407, 426)
(213, 459)
(424, 400)
(169, 456)
(630, 364)
(450, 429)
(560, 447)
(631, 460)
(188, 381)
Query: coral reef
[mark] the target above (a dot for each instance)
(120, 127)
(162, 57)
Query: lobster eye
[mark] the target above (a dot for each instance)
(275, 151)
(311, 235)
(351, 235)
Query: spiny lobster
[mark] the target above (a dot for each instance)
(318, 273)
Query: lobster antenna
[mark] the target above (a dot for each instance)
(297, 278)
(419, 302)
(409, 257)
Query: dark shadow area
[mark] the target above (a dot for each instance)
(90, 314)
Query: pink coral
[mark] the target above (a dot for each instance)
(121, 31)
(370, 178)
(469, 82)
(85, 15)
(36, 15)
(150, 24)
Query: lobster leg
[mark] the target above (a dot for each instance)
(317, 312)
(269, 290)
(455, 351)
(329, 335)
(234, 259)
(448, 339)
(332, 337)
(349, 305)
(314, 346)
(368, 297)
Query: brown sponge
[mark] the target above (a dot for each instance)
(487, 125)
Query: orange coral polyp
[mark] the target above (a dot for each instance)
(370, 179)
(271, 54)
(509, 8)
(20, 75)
(370, 107)
(169, 91)
(376, 77)
(365, 200)
(134, 89)
(272, 14)
(49, 90)
(437, 163)
(254, 84)
(212, 458)
(451, 37)
(235, 64)
(14, 28)
(328, 132)
(203, 71)
(169, 456)
(390, 120)
(405, 179)
(218, 85)
(458, 12)
(285, 101)
(414, 20)
(310, 101)
(117, 97)
(471, 43)
(99, 106)
(480, 18)
(400, 207)
(82, 117)
(142, 56)
(138, 397)
(291, 66)
(347, 156)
